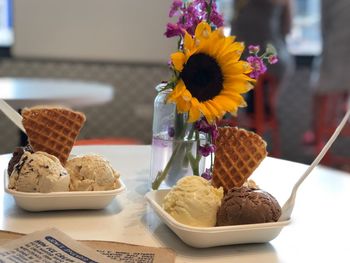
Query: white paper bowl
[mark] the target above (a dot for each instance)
(203, 237)
(36, 202)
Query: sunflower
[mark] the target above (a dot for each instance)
(211, 76)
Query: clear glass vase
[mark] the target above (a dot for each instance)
(174, 141)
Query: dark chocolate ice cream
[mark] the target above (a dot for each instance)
(244, 205)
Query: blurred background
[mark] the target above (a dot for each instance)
(121, 43)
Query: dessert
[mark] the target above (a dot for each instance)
(91, 173)
(39, 172)
(238, 153)
(16, 156)
(193, 201)
(52, 129)
(245, 205)
(42, 166)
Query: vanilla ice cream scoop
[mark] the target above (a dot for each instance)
(39, 172)
(194, 201)
(91, 173)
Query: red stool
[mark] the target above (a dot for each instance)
(329, 109)
(261, 121)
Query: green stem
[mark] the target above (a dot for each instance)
(211, 155)
(195, 161)
(180, 131)
(162, 174)
(180, 126)
(209, 11)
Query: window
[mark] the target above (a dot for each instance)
(305, 36)
(6, 33)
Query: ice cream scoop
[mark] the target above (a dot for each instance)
(193, 201)
(91, 173)
(39, 172)
(246, 205)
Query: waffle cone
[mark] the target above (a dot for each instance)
(52, 130)
(238, 153)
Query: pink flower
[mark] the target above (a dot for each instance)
(254, 49)
(258, 66)
(273, 59)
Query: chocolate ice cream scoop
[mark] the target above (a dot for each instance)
(244, 205)
(16, 156)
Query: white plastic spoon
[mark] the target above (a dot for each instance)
(13, 115)
(288, 206)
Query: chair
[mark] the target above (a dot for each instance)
(107, 141)
(263, 119)
(329, 109)
(331, 87)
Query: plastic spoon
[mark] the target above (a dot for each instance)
(13, 115)
(288, 206)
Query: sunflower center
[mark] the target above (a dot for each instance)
(202, 76)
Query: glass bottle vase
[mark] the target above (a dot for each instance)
(174, 141)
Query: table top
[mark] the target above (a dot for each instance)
(319, 222)
(27, 92)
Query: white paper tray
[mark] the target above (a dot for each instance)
(36, 202)
(203, 237)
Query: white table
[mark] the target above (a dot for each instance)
(319, 231)
(27, 92)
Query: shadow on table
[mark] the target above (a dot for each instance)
(265, 252)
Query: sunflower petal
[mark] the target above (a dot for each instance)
(178, 90)
(188, 43)
(178, 59)
(194, 113)
(213, 111)
(219, 107)
(203, 31)
(205, 111)
(182, 106)
(237, 86)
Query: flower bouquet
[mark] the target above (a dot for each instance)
(209, 80)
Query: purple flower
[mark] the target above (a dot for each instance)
(206, 149)
(254, 49)
(272, 59)
(214, 132)
(190, 19)
(202, 125)
(258, 66)
(207, 174)
(171, 131)
(173, 30)
(216, 18)
(190, 14)
(175, 7)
